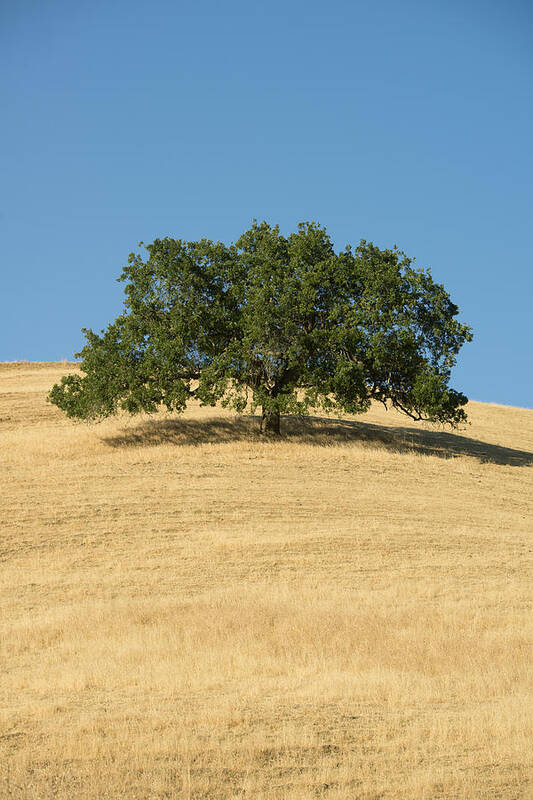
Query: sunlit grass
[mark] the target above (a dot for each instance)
(189, 611)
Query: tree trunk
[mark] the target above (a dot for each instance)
(270, 423)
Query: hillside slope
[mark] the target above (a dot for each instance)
(190, 612)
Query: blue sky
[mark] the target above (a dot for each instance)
(407, 123)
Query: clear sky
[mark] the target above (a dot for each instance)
(405, 122)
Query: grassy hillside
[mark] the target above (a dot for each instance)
(190, 612)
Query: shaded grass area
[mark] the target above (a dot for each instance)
(319, 431)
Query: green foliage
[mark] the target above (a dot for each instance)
(283, 323)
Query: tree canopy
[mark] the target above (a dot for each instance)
(283, 323)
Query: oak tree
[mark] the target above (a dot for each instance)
(280, 323)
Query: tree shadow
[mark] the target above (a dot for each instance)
(319, 431)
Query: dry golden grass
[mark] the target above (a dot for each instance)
(191, 612)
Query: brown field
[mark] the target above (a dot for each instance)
(188, 611)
